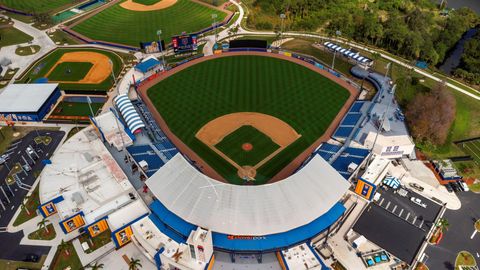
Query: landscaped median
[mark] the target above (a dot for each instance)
(465, 259)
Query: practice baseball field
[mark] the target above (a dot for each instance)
(77, 69)
(118, 24)
(281, 109)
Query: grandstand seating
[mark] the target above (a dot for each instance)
(326, 150)
(348, 156)
(349, 121)
(145, 152)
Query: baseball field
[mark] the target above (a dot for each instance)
(130, 22)
(248, 116)
(77, 69)
(38, 6)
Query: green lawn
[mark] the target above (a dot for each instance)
(120, 25)
(70, 71)
(38, 6)
(302, 98)
(231, 146)
(11, 36)
(27, 50)
(472, 148)
(42, 234)
(32, 204)
(62, 260)
(76, 108)
(97, 241)
(43, 67)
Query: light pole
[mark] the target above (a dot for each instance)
(282, 18)
(382, 121)
(113, 75)
(159, 34)
(214, 17)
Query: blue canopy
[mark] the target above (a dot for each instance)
(148, 65)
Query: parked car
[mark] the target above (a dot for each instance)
(449, 188)
(418, 202)
(27, 168)
(464, 186)
(455, 187)
(31, 258)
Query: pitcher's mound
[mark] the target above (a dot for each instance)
(247, 147)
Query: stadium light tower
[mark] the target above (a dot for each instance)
(282, 17)
(214, 17)
(113, 75)
(159, 34)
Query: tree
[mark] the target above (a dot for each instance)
(134, 264)
(443, 224)
(23, 205)
(43, 224)
(64, 246)
(430, 115)
(95, 266)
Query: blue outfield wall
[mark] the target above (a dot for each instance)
(179, 229)
(274, 242)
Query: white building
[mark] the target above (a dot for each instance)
(390, 146)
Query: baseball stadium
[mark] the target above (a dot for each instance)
(247, 129)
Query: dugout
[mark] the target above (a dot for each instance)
(28, 102)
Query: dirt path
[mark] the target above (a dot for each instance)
(162, 4)
(204, 167)
(98, 73)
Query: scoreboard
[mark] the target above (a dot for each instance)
(184, 43)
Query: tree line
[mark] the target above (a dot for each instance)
(469, 68)
(414, 29)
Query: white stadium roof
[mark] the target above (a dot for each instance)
(25, 97)
(248, 210)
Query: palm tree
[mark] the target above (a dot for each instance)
(64, 246)
(43, 224)
(96, 266)
(134, 264)
(23, 205)
(443, 224)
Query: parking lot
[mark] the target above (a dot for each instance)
(30, 156)
(397, 224)
(404, 208)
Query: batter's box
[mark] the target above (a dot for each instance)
(247, 140)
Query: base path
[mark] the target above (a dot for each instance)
(98, 73)
(130, 5)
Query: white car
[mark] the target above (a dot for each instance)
(418, 202)
(29, 150)
(464, 186)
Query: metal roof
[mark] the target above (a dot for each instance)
(25, 97)
(248, 210)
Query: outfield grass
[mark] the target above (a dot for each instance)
(38, 6)
(70, 71)
(11, 36)
(304, 99)
(119, 25)
(66, 108)
(231, 146)
(40, 70)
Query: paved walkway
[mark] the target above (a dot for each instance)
(39, 38)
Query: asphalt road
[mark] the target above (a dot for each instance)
(457, 238)
(15, 194)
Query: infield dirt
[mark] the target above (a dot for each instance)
(98, 73)
(130, 5)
